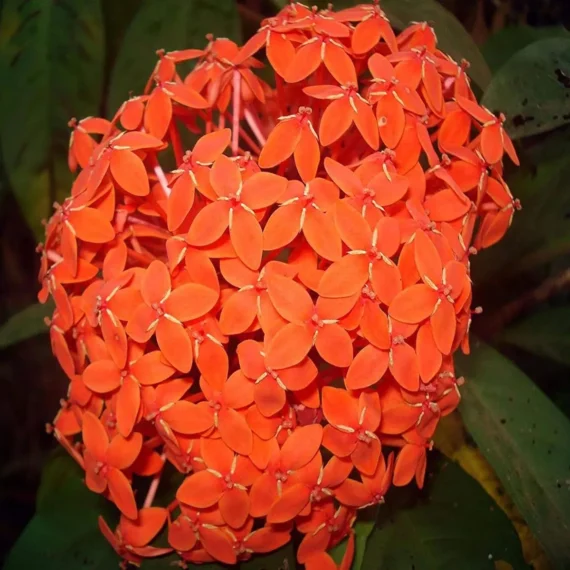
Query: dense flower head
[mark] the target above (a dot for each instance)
(272, 308)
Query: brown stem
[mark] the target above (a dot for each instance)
(499, 320)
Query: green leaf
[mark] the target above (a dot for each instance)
(533, 88)
(546, 333)
(524, 436)
(51, 69)
(25, 324)
(362, 531)
(169, 25)
(452, 37)
(64, 531)
(456, 525)
(506, 42)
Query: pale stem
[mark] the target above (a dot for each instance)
(162, 179)
(254, 126)
(53, 256)
(235, 111)
(153, 487)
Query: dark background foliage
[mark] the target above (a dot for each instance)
(523, 283)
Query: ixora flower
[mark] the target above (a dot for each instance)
(273, 312)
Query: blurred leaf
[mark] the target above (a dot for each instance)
(452, 440)
(445, 530)
(524, 436)
(533, 88)
(51, 69)
(546, 333)
(503, 44)
(25, 324)
(169, 25)
(64, 531)
(362, 530)
(452, 37)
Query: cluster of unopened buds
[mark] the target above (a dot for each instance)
(273, 312)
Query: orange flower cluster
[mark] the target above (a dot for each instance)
(273, 313)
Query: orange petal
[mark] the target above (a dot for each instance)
(292, 501)
(91, 225)
(121, 492)
(262, 190)
(187, 418)
(95, 436)
(335, 121)
(174, 344)
(128, 406)
(190, 301)
(234, 506)
(235, 432)
(145, 527)
(129, 172)
(367, 368)
(209, 224)
(291, 299)
(102, 376)
(289, 346)
(429, 357)
(321, 233)
(334, 345)
(404, 367)
(444, 324)
(238, 312)
(123, 451)
(201, 490)
(247, 238)
(414, 304)
(281, 143)
(301, 446)
(307, 155)
(345, 277)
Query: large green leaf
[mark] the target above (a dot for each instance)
(503, 44)
(546, 333)
(51, 69)
(452, 37)
(533, 88)
(169, 25)
(524, 436)
(64, 531)
(25, 324)
(455, 525)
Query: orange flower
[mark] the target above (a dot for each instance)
(278, 297)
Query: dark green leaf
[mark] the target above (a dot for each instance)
(362, 531)
(524, 436)
(452, 37)
(51, 69)
(25, 324)
(499, 48)
(169, 25)
(546, 333)
(533, 88)
(456, 525)
(64, 531)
